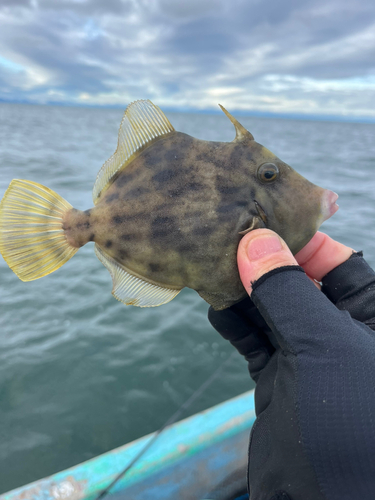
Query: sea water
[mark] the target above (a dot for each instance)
(81, 373)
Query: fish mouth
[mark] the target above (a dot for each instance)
(329, 206)
(262, 214)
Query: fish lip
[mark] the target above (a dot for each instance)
(262, 214)
(329, 205)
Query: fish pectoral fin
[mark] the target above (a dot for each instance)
(132, 290)
(142, 124)
(256, 223)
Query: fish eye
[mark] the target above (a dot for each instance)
(268, 172)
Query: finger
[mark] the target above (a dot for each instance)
(321, 255)
(259, 252)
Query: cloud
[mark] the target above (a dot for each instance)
(293, 57)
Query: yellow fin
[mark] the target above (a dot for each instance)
(132, 290)
(143, 122)
(32, 239)
(241, 133)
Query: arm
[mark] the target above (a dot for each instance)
(315, 372)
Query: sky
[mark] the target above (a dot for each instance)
(310, 57)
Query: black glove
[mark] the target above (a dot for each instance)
(312, 355)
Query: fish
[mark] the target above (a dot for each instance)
(169, 212)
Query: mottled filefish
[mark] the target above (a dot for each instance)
(169, 212)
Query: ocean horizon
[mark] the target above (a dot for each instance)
(208, 111)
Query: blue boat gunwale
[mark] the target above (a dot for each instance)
(181, 440)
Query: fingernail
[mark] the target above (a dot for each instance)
(262, 246)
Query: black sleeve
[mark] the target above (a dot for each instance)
(314, 437)
(351, 287)
(246, 330)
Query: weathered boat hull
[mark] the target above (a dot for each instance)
(203, 456)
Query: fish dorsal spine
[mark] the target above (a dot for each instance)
(242, 134)
(142, 124)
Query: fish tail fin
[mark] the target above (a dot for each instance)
(32, 239)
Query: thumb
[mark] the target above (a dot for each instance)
(259, 252)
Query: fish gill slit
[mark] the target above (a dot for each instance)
(261, 212)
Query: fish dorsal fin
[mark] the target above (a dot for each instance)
(142, 124)
(241, 133)
(132, 290)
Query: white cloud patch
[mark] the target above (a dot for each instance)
(311, 57)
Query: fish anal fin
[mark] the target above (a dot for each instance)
(142, 124)
(242, 134)
(132, 290)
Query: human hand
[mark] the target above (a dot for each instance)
(314, 365)
(262, 250)
(242, 324)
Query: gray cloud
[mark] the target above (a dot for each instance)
(314, 56)
(85, 7)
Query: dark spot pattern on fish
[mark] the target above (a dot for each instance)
(231, 207)
(127, 237)
(154, 267)
(118, 219)
(188, 247)
(188, 170)
(150, 161)
(136, 192)
(92, 237)
(123, 254)
(184, 188)
(176, 192)
(229, 190)
(123, 178)
(236, 156)
(164, 221)
(172, 154)
(165, 207)
(202, 157)
(163, 227)
(203, 230)
(197, 214)
(251, 192)
(165, 176)
(83, 225)
(108, 243)
(124, 218)
(250, 157)
(194, 186)
(133, 236)
(112, 197)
